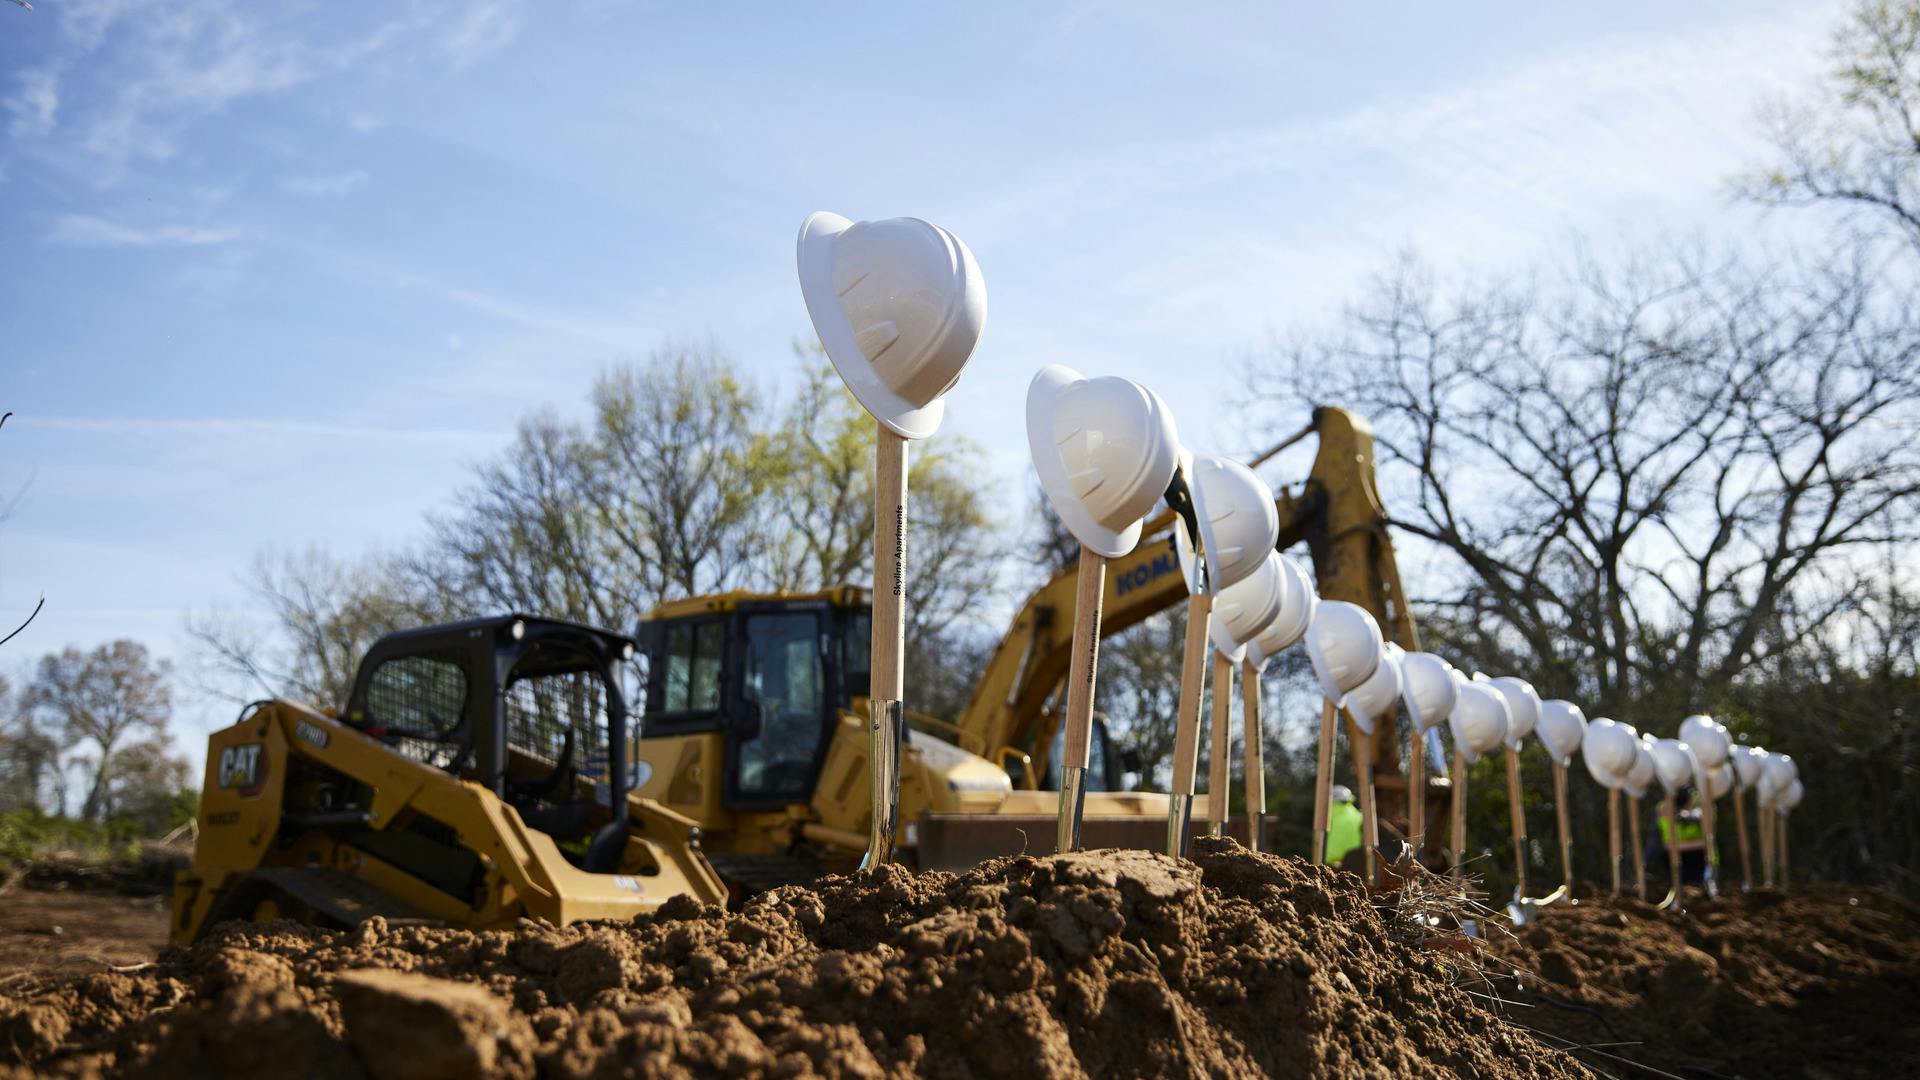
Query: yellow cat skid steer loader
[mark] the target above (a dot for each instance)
(479, 774)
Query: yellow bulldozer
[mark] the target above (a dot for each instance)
(755, 704)
(472, 777)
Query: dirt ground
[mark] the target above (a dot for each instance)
(1820, 984)
(67, 931)
(1106, 964)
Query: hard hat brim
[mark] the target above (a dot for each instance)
(1223, 642)
(815, 254)
(1287, 635)
(1043, 398)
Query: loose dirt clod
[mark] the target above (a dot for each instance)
(1820, 984)
(1106, 963)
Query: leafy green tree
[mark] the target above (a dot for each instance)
(105, 700)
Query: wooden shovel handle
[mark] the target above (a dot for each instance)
(1193, 674)
(1090, 586)
(889, 565)
(1613, 836)
(1323, 782)
(1219, 768)
(1256, 774)
(1459, 806)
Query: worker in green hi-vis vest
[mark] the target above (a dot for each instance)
(1343, 825)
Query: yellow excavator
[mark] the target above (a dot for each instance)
(484, 771)
(755, 703)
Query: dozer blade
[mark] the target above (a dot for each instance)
(957, 842)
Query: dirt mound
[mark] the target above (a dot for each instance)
(1820, 984)
(1109, 963)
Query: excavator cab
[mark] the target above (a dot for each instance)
(530, 708)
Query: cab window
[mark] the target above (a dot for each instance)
(421, 702)
(856, 656)
(691, 680)
(784, 684)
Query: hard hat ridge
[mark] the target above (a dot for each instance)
(899, 306)
(1105, 449)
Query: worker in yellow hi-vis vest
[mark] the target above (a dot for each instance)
(1343, 825)
(1686, 835)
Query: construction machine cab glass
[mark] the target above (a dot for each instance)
(769, 675)
(532, 709)
(770, 672)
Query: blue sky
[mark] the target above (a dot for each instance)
(276, 273)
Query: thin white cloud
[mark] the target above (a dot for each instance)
(141, 82)
(480, 30)
(328, 186)
(87, 231)
(35, 102)
(253, 427)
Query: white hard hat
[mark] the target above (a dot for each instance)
(899, 305)
(1426, 688)
(1344, 644)
(1237, 517)
(1296, 614)
(1746, 765)
(1105, 450)
(1245, 608)
(1791, 797)
(1376, 697)
(1607, 748)
(1719, 781)
(1479, 718)
(1644, 770)
(1779, 773)
(1674, 763)
(1523, 707)
(1708, 739)
(1341, 793)
(1561, 728)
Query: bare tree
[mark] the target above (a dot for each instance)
(1855, 142)
(1648, 479)
(106, 699)
(525, 536)
(324, 614)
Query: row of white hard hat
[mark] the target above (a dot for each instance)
(1366, 677)
(900, 304)
(1704, 754)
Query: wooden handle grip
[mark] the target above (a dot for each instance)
(889, 566)
(1090, 584)
(1193, 673)
(1219, 769)
(1256, 773)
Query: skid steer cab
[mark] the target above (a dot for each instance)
(755, 728)
(479, 773)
